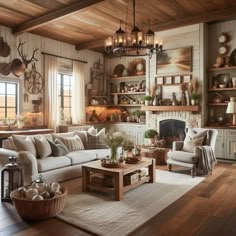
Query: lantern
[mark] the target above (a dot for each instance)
(11, 178)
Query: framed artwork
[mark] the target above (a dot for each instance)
(168, 80)
(159, 80)
(178, 60)
(186, 78)
(177, 79)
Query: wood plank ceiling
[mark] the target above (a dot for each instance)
(86, 23)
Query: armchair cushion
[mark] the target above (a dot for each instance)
(187, 157)
(191, 143)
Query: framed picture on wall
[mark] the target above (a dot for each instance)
(186, 78)
(159, 80)
(177, 79)
(168, 80)
(177, 60)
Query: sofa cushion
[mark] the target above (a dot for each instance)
(96, 141)
(81, 156)
(191, 143)
(42, 146)
(182, 156)
(64, 135)
(83, 136)
(11, 143)
(24, 143)
(92, 130)
(72, 143)
(51, 163)
(58, 149)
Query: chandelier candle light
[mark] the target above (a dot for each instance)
(133, 43)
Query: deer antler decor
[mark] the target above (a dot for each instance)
(24, 56)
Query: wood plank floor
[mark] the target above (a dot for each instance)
(208, 209)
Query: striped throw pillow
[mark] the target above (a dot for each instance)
(73, 143)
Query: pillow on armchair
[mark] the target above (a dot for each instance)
(191, 143)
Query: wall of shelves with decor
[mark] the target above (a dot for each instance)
(221, 86)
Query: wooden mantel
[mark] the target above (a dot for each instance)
(170, 108)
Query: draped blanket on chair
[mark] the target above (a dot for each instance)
(207, 160)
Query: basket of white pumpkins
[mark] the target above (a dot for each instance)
(39, 200)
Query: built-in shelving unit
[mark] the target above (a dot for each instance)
(223, 68)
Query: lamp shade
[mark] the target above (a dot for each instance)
(231, 106)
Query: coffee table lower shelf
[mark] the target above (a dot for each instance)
(125, 188)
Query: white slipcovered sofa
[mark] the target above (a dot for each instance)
(53, 168)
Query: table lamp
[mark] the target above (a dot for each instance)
(232, 109)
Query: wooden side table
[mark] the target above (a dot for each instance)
(159, 154)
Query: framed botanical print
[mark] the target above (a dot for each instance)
(159, 80)
(177, 79)
(186, 78)
(168, 80)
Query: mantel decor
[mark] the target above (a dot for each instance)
(133, 44)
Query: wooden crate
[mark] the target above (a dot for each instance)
(160, 154)
(131, 178)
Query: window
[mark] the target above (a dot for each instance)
(8, 100)
(64, 86)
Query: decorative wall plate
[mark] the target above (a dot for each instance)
(137, 67)
(233, 58)
(117, 72)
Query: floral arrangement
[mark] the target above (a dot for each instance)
(113, 141)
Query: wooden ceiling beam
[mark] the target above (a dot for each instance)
(55, 15)
(90, 45)
(223, 14)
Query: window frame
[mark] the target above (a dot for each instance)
(18, 95)
(61, 95)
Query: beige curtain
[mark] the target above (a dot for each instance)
(51, 97)
(78, 94)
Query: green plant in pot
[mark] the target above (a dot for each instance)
(195, 97)
(151, 135)
(147, 99)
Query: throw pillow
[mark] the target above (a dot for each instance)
(73, 143)
(191, 143)
(24, 143)
(43, 147)
(96, 141)
(194, 134)
(92, 130)
(64, 135)
(58, 149)
(83, 136)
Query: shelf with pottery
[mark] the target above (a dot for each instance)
(223, 68)
(127, 78)
(171, 108)
(221, 89)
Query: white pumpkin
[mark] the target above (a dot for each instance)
(22, 192)
(37, 198)
(57, 193)
(55, 187)
(45, 195)
(31, 192)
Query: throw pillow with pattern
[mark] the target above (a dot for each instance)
(73, 143)
(191, 143)
(96, 141)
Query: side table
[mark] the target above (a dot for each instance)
(159, 154)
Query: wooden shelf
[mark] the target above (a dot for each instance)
(223, 68)
(222, 89)
(98, 96)
(170, 108)
(218, 104)
(130, 93)
(128, 78)
(125, 105)
(98, 105)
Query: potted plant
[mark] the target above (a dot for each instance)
(151, 135)
(195, 98)
(147, 99)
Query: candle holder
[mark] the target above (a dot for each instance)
(11, 178)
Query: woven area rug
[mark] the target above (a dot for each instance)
(100, 214)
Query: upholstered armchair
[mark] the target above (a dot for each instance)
(195, 152)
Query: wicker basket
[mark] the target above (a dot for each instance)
(39, 210)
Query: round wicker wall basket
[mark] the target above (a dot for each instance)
(39, 210)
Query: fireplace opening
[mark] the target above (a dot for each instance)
(172, 130)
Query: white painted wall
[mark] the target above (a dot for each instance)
(44, 45)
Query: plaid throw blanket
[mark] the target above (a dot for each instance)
(206, 161)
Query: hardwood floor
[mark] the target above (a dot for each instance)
(208, 209)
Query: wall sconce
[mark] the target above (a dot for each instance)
(231, 109)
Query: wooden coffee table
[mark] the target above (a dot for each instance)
(118, 174)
